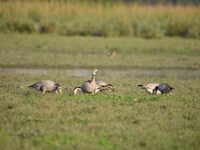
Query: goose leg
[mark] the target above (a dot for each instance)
(97, 90)
(43, 92)
(43, 89)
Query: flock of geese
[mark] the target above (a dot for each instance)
(93, 86)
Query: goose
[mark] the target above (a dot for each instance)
(102, 85)
(163, 88)
(149, 87)
(46, 86)
(89, 86)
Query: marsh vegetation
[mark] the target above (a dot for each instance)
(68, 18)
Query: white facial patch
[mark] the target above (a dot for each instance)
(75, 91)
(158, 92)
(60, 90)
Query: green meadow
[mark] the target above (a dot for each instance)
(128, 118)
(53, 51)
(50, 39)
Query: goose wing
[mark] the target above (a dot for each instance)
(101, 83)
(36, 85)
(47, 84)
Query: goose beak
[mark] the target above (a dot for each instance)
(60, 91)
(95, 70)
(113, 88)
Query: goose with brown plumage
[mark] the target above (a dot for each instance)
(46, 86)
(149, 87)
(89, 86)
(157, 88)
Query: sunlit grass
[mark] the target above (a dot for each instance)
(52, 51)
(125, 119)
(128, 118)
(99, 20)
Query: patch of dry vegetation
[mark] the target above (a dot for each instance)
(68, 18)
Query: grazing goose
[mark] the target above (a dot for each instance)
(89, 86)
(46, 86)
(149, 87)
(163, 88)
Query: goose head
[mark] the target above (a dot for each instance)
(94, 71)
(76, 89)
(58, 88)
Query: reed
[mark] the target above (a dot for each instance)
(69, 18)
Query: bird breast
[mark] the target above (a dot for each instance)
(89, 87)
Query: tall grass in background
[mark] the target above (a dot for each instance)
(99, 19)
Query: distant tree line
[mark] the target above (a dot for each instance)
(173, 2)
(152, 2)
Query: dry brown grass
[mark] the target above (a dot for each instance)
(98, 19)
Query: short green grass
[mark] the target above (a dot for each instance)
(52, 51)
(126, 119)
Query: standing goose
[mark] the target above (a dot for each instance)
(89, 86)
(102, 85)
(149, 87)
(46, 86)
(163, 88)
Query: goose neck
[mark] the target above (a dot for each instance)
(93, 77)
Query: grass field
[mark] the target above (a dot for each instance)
(107, 37)
(126, 119)
(52, 51)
